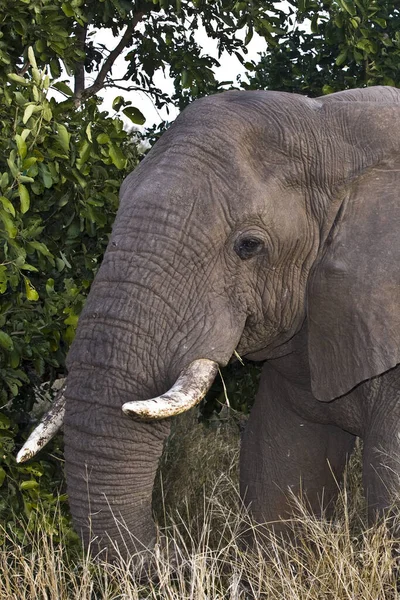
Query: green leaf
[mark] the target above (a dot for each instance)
(31, 57)
(314, 24)
(84, 154)
(134, 115)
(28, 162)
(28, 113)
(67, 9)
(118, 102)
(2, 476)
(18, 79)
(8, 224)
(118, 159)
(7, 205)
(88, 132)
(47, 113)
(28, 267)
(40, 45)
(365, 45)
(37, 79)
(4, 180)
(28, 485)
(21, 146)
(327, 89)
(5, 341)
(62, 87)
(185, 79)
(348, 6)
(72, 320)
(341, 58)
(40, 247)
(50, 286)
(65, 260)
(381, 22)
(25, 133)
(14, 359)
(63, 137)
(249, 35)
(11, 164)
(3, 279)
(24, 197)
(30, 291)
(103, 138)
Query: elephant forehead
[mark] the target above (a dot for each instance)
(177, 200)
(231, 138)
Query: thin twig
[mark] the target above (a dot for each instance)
(108, 63)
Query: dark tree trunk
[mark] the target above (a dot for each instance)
(79, 88)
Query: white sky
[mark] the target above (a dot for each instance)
(229, 69)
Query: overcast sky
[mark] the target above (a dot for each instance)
(229, 69)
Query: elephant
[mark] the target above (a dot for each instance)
(261, 224)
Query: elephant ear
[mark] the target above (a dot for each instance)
(353, 300)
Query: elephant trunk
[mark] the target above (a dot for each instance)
(111, 464)
(138, 331)
(121, 355)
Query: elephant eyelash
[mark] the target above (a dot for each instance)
(247, 247)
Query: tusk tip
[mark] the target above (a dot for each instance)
(24, 454)
(137, 412)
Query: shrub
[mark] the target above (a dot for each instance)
(60, 172)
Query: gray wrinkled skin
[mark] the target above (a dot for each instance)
(316, 183)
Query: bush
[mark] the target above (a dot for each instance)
(60, 172)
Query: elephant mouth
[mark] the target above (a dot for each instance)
(189, 389)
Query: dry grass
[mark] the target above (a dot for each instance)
(340, 560)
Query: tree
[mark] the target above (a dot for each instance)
(152, 35)
(331, 45)
(60, 171)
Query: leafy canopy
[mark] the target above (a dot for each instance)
(150, 35)
(331, 45)
(60, 172)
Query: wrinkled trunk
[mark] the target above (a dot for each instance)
(148, 316)
(111, 460)
(111, 463)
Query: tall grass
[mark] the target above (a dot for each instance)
(199, 556)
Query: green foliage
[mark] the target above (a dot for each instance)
(331, 45)
(42, 24)
(154, 35)
(30, 490)
(173, 44)
(60, 172)
(235, 386)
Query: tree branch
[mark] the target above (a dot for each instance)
(136, 88)
(108, 63)
(80, 67)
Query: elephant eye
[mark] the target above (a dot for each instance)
(248, 247)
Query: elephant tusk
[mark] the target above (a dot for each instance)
(191, 386)
(49, 425)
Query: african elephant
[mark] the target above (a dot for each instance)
(261, 223)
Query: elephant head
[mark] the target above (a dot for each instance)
(255, 212)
